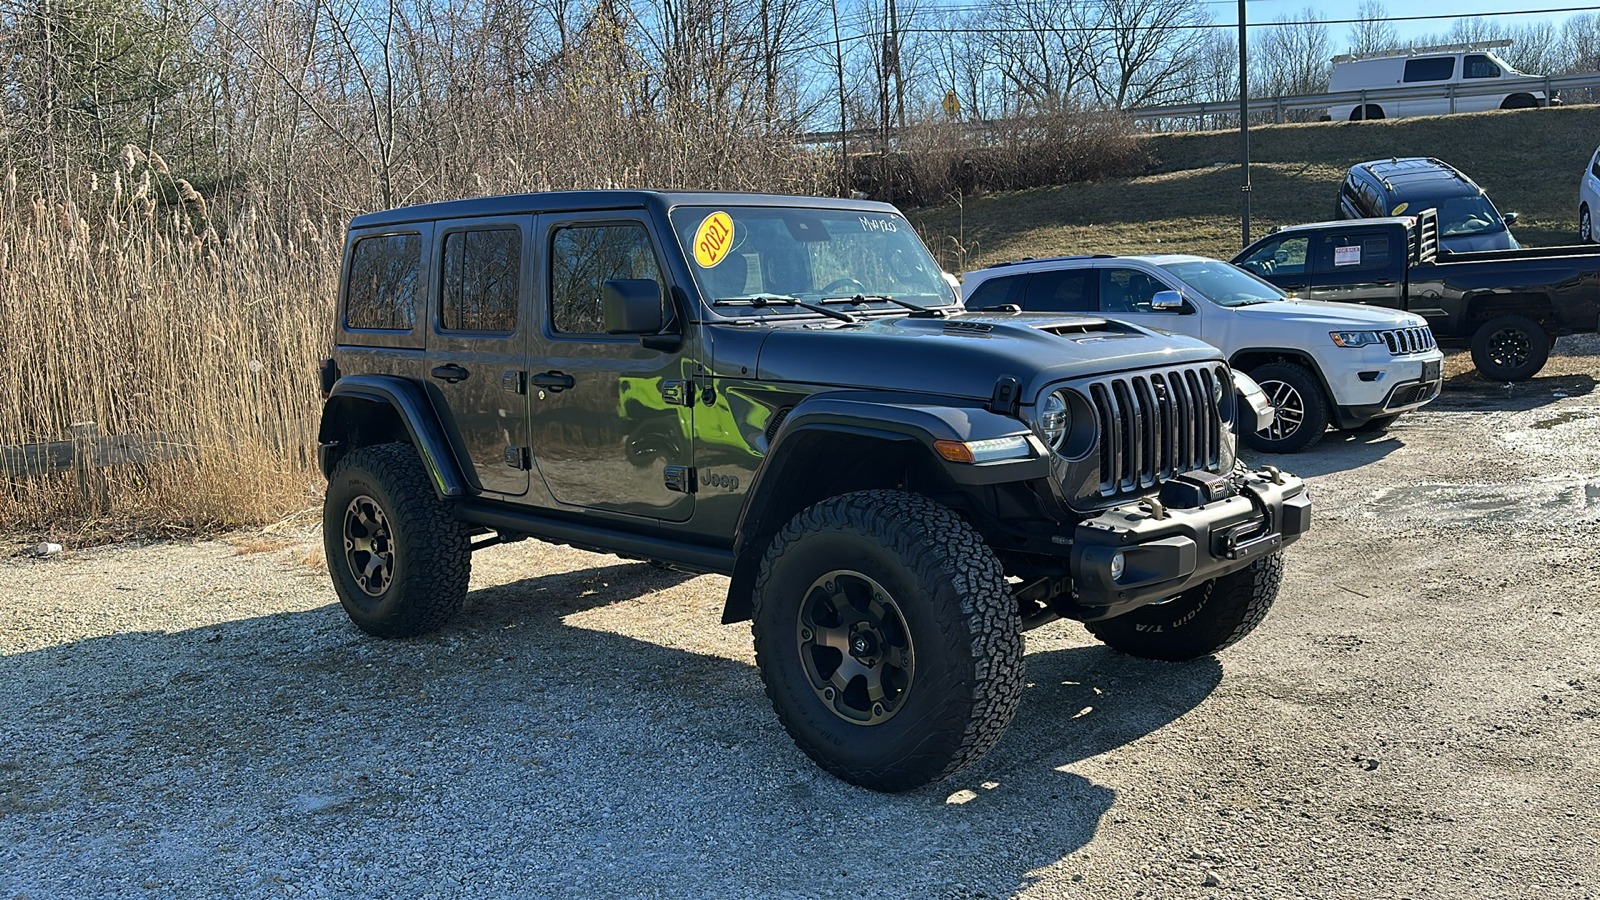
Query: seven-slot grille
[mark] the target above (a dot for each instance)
(1155, 425)
(1408, 340)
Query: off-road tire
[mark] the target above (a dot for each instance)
(1200, 621)
(431, 550)
(957, 609)
(1375, 425)
(1307, 392)
(1490, 361)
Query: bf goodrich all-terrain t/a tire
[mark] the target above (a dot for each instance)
(1199, 621)
(1510, 348)
(887, 638)
(399, 559)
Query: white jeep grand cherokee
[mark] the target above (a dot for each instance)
(1354, 367)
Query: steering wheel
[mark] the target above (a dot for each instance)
(844, 284)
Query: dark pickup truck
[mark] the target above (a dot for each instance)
(1508, 305)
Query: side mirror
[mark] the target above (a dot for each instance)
(1167, 301)
(1511, 218)
(631, 306)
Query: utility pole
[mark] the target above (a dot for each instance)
(1244, 126)
(844, 142)
(899, 84)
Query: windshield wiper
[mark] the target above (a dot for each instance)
(761, 301)
(916, 308)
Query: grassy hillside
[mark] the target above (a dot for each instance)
(1528, 161)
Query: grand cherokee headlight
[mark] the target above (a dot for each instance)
(1355, 338)
(1053, 420)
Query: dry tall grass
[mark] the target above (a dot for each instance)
(137, 316)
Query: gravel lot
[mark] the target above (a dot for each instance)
(1416, 718)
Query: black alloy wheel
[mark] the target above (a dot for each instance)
(855, 647)
(368, 545)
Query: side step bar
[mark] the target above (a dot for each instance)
(680, 554)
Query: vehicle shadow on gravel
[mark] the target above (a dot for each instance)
(1337, 451)
(1469, 392)
(512, 754)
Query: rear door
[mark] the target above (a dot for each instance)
(478, 344)
(1359, 265)
(612, 419)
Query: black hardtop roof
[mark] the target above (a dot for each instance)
(1415, 171)
(583, 201)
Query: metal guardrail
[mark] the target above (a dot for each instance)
(1277, 106)
(1549, 84)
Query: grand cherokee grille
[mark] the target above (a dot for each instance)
(1408, 340)
(1156, 424)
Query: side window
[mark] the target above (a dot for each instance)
(1285, 257)
(1064, 290)
(1371, 200)
(1357, 252)
(1430, 68)
(1127, 291)
(1476, 65)
(585, 257)
(382, 292)
(481, 280)
(998, 292)
(1594, 166)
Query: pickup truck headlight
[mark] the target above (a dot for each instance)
(1355, 338)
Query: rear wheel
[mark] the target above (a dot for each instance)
(1200, 621)
(1519, 101)
(1510, 348)
(1302, 413)
(887, 638)
(1369, 111)
(398, 558)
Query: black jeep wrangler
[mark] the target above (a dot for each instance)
(783, 390)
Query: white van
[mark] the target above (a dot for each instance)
(1428, 67)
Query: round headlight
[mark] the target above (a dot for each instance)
(1053, 420)
(1216, 385)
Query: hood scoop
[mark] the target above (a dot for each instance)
(1076, 326)
(965, 326)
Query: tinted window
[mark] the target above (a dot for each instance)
(382, 291)
(1594, 166)
(479, 287)
(998, 292)
(1058, 291)
(1430, 68)
(1285, 257)
(1127, 291)
(1353, 252)
(582, 259)
(1475, 65)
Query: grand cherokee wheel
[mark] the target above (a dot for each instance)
(1199, 621)
(887, 639)
(1510, 348)
(399, 559)
(1302, 413)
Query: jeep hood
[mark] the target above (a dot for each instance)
(963, 355)
(1324, 314)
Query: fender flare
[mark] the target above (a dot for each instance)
(874, 417)
(415, 411)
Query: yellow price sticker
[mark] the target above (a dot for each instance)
(1400, 209)
(713, 239)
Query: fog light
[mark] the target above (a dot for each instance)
(1118, 564)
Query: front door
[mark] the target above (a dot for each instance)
(612, 419)
(478, 344)
(1360, 266)
(1126, 295)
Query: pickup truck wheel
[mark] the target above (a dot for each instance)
(887, 638)
(1585, 225)
(1302, 413)
(399, 559)
(1200, 621)
(1510, 348)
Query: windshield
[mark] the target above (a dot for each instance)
(808, 254)
(1224, 284)
(1465, 215)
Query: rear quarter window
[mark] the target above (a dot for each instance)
(382, 289)
(1430, 68)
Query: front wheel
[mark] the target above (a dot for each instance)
(1302, 413)
(398, 557)
(887, 638)
(1585, 225)
(1510, 348)
(1200, 621)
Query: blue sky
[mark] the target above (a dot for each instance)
(1267, 10)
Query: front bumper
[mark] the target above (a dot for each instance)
(1163, 557)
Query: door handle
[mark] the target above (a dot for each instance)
(451, 373)
(554, 382)
(1383, 282)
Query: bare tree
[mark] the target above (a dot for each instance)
(1374, 33)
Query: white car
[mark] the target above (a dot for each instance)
(1429, 67)
(1355, 367)
(1589, 199)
